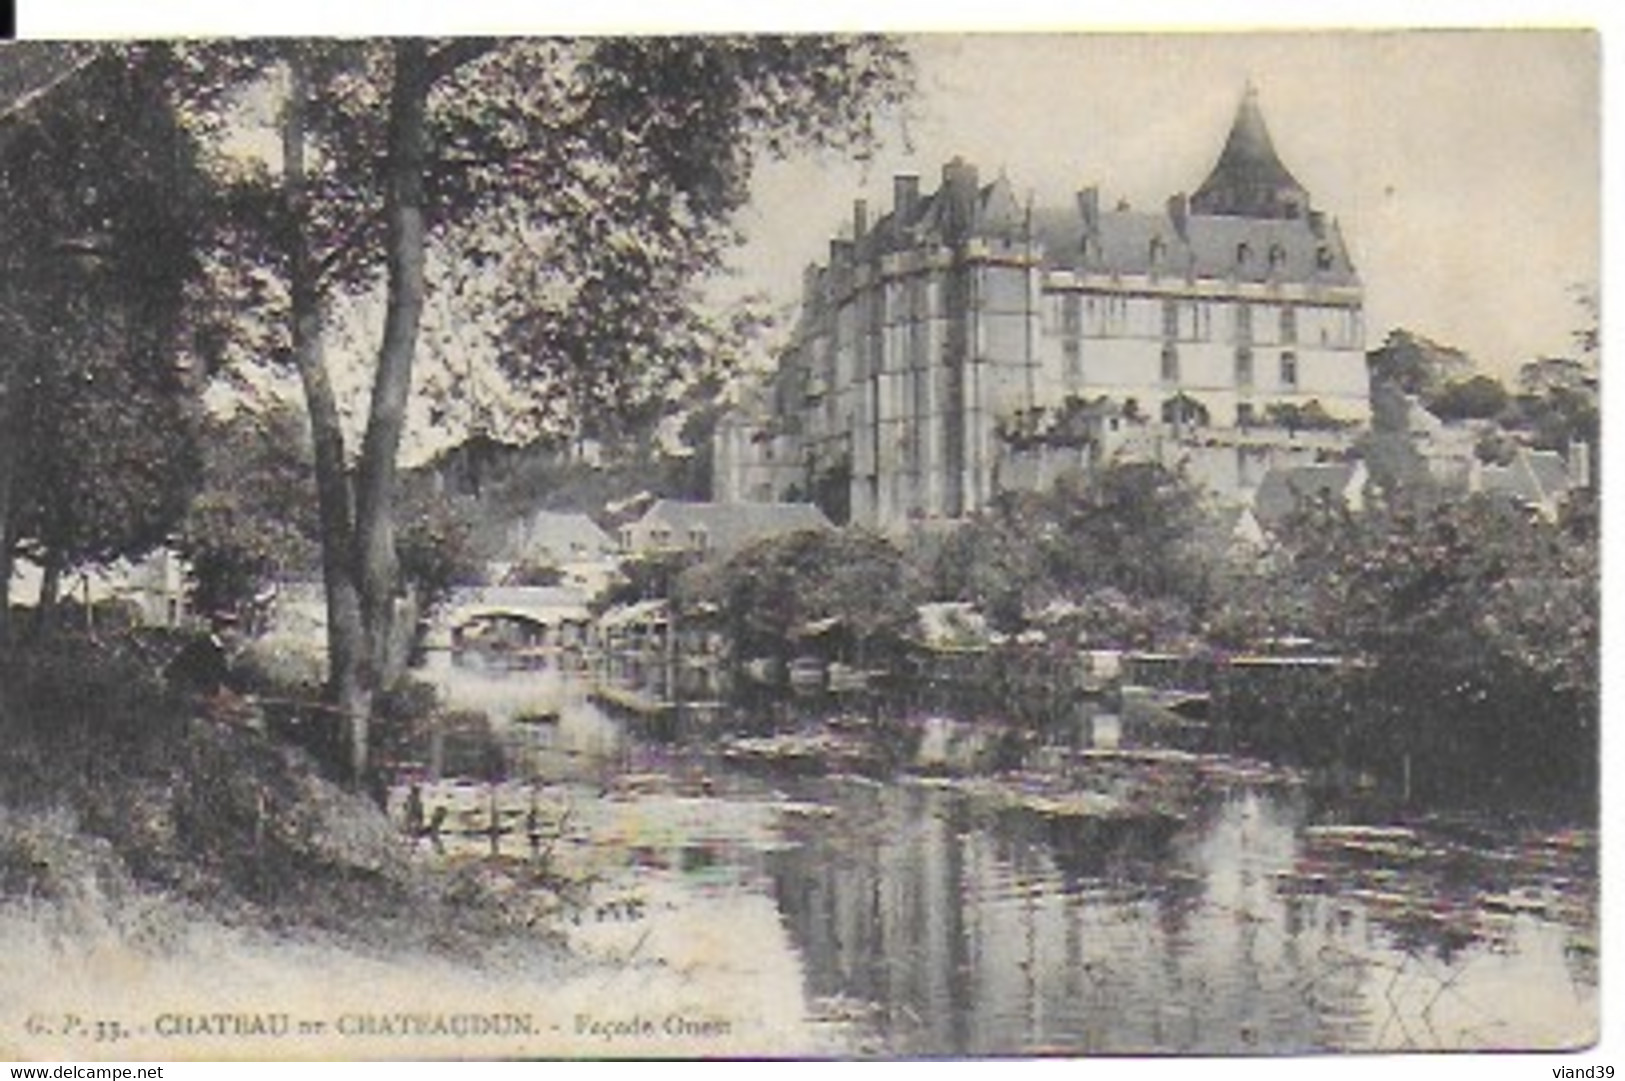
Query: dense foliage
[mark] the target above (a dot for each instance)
(105, 203)
(851, 584)
(1133, 528)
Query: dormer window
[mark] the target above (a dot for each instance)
(1159, 251)
(1323, 257)
(1277, 256)
(1244, 254)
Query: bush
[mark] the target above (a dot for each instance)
(86, 704)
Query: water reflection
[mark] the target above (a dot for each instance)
(922, 923)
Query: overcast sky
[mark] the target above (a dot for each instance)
(1463, 166)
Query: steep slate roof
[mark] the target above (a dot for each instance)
(1535, 476)
(995, 210)
(1549, 470)
(1249, 198)
(1249, 180)
(1206, 248)
(730, 526)
(1283, 491)
(560, 536)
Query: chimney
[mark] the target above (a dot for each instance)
(905, 196)
(960, 186)
(1089, 208)
(1179, 212)
(840, 252)
(860, 219)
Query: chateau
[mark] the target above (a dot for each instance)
(963, 342)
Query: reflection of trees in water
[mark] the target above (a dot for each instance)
(972, 932)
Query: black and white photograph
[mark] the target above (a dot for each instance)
(859, 545)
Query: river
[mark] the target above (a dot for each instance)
(906, 917)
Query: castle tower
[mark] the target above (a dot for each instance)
(1248, 180)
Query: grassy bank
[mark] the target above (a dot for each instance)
(116, 785)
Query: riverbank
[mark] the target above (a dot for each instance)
(219, 898)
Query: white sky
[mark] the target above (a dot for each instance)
(1464, 167)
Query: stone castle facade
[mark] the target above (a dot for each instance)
(963, 342)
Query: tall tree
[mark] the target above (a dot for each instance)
(103, 190)
(573, 191)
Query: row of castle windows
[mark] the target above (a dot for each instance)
(1287, 373)
(1198, 327)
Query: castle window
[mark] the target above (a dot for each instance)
(1072, 355)
(1289, 369)
(1244, 322)
(1071, 315)
(1170, 319)
(1244, 366)
(1244, 414)
(1289, 324)
(1170, 363)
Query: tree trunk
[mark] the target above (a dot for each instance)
(392, 383)
(50, 585)
(347, 686)
(12, 381)
(8, 469)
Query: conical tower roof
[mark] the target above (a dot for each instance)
(1249, 180)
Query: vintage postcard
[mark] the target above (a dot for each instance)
(845, 546)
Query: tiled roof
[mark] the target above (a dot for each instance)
(1283, 491)
(730, 526)
(1549, 469)
(557, 535)
(1534, 476)
(1208, 247)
